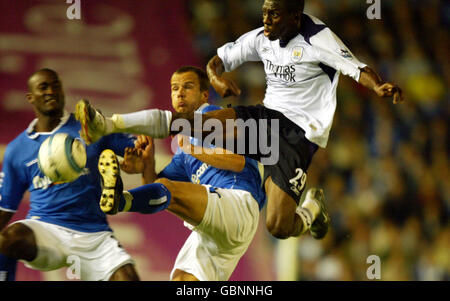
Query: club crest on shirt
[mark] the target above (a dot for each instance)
(297, 53)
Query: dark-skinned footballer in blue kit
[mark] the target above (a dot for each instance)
(64, 219)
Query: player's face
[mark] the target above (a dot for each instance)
(278, 21)
(186, 94)
(46, 93)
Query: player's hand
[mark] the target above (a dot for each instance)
(225, 87)
(146, 144)
(133, 161)
(388, 90)
(139, 157)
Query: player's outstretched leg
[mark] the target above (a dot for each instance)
(93, 123)
(154, 123)
(285, 218)
(319, 227)
(147, 199)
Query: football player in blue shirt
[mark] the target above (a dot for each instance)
(218, 195)
(64, 223)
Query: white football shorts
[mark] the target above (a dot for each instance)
(216, 245)
(93, 256)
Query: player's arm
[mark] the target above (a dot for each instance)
(146, 144)
(5, 217)
(13, 185)
(229, 57)
(361, 73)
(220, 158)
(333, 52)
(224, 87)
(370, 79)
(141, 159)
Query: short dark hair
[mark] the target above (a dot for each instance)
(201, 74)
(47, 70)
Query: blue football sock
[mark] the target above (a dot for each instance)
(147, 199)
(7, 268)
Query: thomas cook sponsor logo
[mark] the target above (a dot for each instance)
(286, 73)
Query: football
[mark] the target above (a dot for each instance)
(62, 158)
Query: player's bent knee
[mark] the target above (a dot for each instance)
(125, 273)
(166, 182)
(180, 275)
(278, 229)
(9, 240)
(17, 241)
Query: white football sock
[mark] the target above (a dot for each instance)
(308, 212)
(312, 206)
(154, 123)
(306, 217)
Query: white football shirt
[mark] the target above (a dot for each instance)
(301, 76)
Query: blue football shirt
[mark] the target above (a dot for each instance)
(73, 205)
(184, 167)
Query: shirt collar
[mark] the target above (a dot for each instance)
(200, 109)
(33, 135)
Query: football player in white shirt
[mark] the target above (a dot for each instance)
(302, 59)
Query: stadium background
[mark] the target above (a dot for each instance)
(384, 172)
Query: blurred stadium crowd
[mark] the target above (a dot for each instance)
(385, 170)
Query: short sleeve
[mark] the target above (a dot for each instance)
(12, 183)
(331, 51)
(242, 50)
